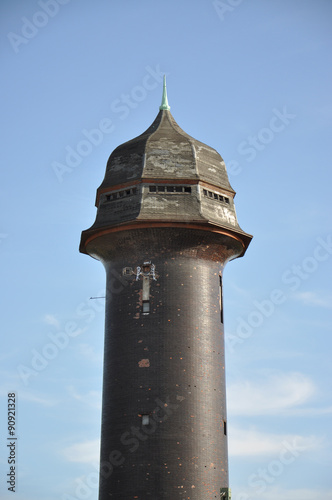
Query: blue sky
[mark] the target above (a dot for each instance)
(250, 78)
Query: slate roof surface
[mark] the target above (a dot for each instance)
(165, 151)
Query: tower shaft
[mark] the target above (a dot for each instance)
(164, 419)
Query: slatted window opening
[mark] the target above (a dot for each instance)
(170, 189)
(216, 196)
(121, 194)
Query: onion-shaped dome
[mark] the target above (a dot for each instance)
(165, 175)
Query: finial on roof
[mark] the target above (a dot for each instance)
(164, 101)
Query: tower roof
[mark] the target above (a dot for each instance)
(165, 151)
(165, 177)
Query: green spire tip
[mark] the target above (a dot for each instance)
(164, 101)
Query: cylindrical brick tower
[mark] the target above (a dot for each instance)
(165, 228)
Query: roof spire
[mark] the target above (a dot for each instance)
(164, 101)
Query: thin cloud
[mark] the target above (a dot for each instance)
(309, 412)
(87, 351)
(50, 319)
(298, 494)
(91, 398)
(273, 395)
(314, 299)
(33, 398)
(86, 452)
(251, 442)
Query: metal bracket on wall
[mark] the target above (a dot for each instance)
(147, 271)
